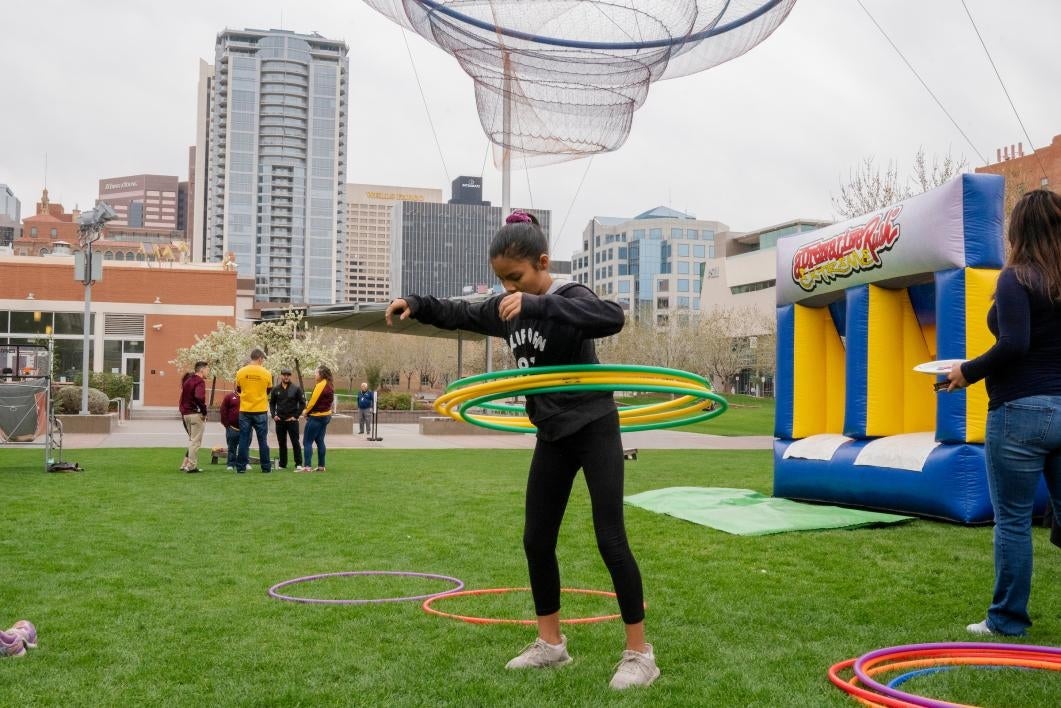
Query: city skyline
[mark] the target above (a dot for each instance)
(760, 140)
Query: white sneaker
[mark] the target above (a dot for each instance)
(979, 628)
(540, 654)
(635, 669)
(230, 469)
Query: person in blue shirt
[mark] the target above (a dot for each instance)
(1023, 377)
(365, 400)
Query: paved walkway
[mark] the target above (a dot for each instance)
(169, 433)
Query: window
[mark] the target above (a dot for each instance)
(53, 233)
(683, 249)
(655, 234)
(699, 251)
(683, 267)
(692, 233)
(683, 285)
(622, 253)
(662, 286)
(624, 286)
(675, 233)
(663, 303)
(33, 231)
(639, 234)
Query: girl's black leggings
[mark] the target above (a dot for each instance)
(596, 448)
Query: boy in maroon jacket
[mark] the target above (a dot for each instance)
(230, 419)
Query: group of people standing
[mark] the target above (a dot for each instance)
(245, 412)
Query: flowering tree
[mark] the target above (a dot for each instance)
(287, 342)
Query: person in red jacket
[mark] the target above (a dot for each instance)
(193, 413)
(230, 421)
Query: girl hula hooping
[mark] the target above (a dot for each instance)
(546, 322)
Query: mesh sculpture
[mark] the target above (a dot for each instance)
(560, 79)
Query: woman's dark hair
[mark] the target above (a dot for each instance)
(521, 238)
(1035, 242)
(325, 373)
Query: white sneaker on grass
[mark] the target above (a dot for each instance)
(635, 669)
(980, 628)
(540, 654)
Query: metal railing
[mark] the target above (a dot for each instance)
(121, 409)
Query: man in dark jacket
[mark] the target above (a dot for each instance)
(193, 413)
(286, 403)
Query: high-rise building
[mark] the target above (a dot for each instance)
(368, 235)
(10, 216)
(274, 154)
(142, 200)
(441, 249)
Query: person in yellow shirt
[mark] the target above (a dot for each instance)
(255, 382)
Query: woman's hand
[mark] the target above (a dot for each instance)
(398, 307)
(510, 306)
(956, 378)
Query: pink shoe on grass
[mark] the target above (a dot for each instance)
(11, 645)
(26, 631)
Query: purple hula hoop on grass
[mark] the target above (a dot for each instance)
(870, 683)
(274, 590)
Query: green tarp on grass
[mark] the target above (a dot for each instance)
(745, 512)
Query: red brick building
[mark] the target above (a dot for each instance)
(1024, 172)
(142, 313)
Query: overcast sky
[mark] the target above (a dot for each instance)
(108, 88)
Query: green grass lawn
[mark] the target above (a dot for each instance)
(148, 587)
(746, 415)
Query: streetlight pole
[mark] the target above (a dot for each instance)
(87, 281)
(90, 229)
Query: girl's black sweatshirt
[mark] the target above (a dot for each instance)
(554, 329)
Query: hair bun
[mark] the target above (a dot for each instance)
(518, 217)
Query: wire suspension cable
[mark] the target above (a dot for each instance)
(570, 206)
(1004, 89)
(912, 69)
(427, 109)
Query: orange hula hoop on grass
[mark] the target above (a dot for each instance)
(427, 606)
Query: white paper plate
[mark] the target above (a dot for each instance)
(941, 367)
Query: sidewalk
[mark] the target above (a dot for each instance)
(170, 433)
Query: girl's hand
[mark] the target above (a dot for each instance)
(397, 307)
(510, 306)
(956, 378)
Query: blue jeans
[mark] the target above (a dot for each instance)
(316, 426)
(1023, 444)
(259, 423)
(232, 438)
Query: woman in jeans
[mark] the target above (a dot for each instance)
(318, 415)
(1023, 373)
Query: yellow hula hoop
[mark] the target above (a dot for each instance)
(694, 399)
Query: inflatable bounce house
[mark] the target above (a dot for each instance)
(859, 305)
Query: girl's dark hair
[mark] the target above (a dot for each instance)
(325, 373)
(521, 238)
(1035, 242)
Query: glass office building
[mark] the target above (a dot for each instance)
(442, 249)
(276, 162)
(652, 264)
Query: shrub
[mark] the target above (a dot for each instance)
(114, 385)
(394, 401)
(68, 401)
